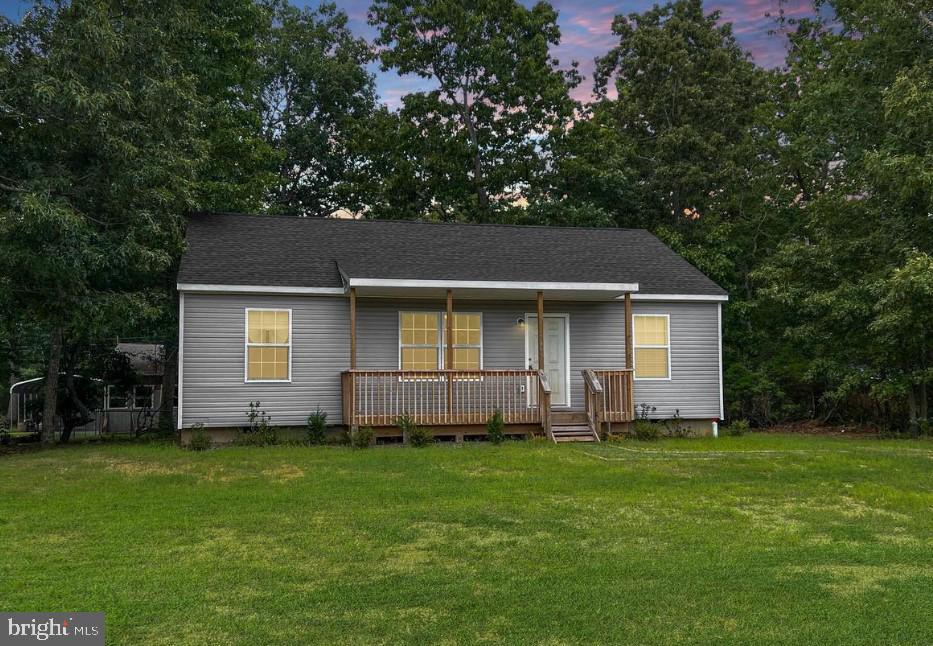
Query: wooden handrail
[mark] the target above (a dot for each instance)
(443, 397)
(617, 400)
(593, 401)
(544, 403)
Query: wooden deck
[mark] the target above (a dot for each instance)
(378, 398)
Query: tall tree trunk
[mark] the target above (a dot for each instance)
(86, 414)
(924, 407)
(169, 358)
(51, 386)
(913, 423)
(479, 181)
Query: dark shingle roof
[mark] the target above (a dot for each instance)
(232, 249)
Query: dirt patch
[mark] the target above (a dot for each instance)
(139, 468)
(284, 473)
(849, 580)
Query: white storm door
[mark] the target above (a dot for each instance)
(556, 353)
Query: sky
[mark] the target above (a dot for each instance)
(586, 32)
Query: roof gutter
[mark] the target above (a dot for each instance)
(709, 298)
(257, 289)
(492, 284)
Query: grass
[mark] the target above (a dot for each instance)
(757, 539)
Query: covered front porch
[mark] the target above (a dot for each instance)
(526, 369)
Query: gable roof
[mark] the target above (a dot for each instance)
(284, 251)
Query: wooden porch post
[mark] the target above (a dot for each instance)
(352, 328)
(449, 350)
(628, 398)
(629, 350)
(540, 330)
(449, 361)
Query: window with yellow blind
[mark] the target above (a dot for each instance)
(468, 340)
(652, 345)
(419, 340)
(268, 344)
(422, 339)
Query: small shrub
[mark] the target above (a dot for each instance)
(260, 431)
(645, 431)
(925, 427)
(495, 428)
(737, 428)
(200, 440)
(317, 427)
(675, 426)
(415, 435)
(362, 438)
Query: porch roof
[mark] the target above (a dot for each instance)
(283, 253)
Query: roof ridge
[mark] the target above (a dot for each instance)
(342, 221)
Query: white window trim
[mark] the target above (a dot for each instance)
(636, 345)
(126, 400)
(247, 344)
(152, 404)
(455, 346)
(441, 337)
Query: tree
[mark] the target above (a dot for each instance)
(497, 92)
(856, 132)
(110, 127)
(686, 106)
(316, 96)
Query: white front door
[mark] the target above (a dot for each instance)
(556, 353)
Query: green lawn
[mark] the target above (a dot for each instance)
(758, 539)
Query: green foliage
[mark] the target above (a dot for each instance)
(737, 428)
(495, 428)
(200, 440)
(854, 280)
(496, 86)
(259, 431)
(317, 97)
(676, 427)
(645, 430)
(416, 436)
(317, 427)
(362, 438)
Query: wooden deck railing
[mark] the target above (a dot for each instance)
(608, 396)
(445, 397)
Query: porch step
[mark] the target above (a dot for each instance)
(567, 418)
(573, 433)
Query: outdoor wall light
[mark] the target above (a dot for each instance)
(520, 320)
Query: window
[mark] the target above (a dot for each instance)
(422, 338)
(419, 340)
(652, 346)
(468, 341)
(142, 397)
(268, 345)
(116, 397)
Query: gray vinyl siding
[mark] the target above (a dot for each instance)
(215, 394)
(694, 385)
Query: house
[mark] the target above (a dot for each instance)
(126, 409)
(563, 330)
